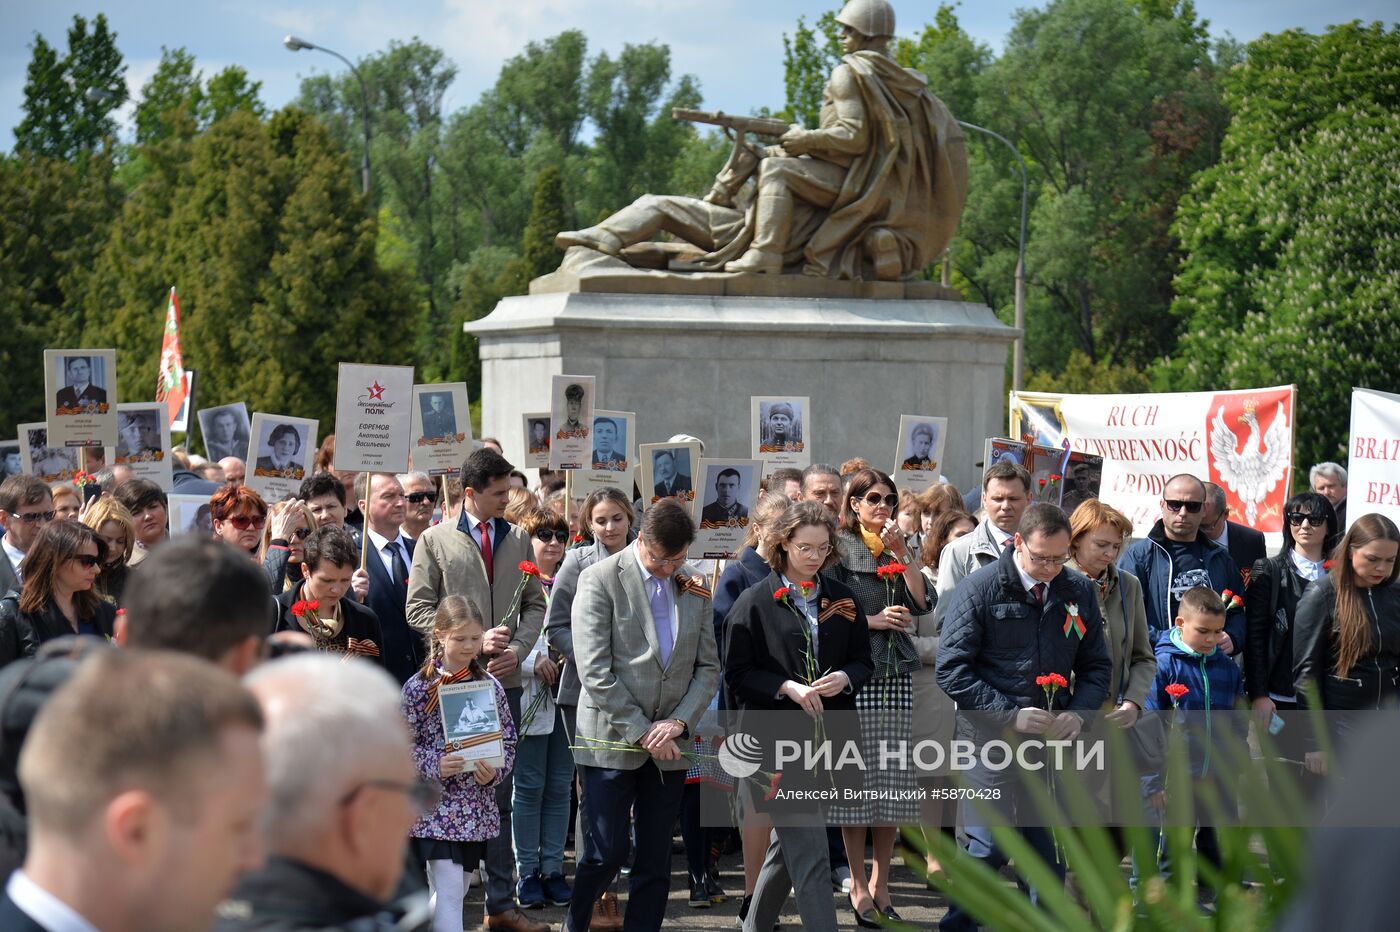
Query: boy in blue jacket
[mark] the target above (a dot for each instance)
(1188, 655)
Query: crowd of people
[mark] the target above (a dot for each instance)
(266, 748)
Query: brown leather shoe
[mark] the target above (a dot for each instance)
(607, 917)
(513, 920)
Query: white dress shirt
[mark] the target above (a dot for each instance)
(15, 556)
(381, 542)
(43, 907)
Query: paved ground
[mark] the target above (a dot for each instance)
(920, 907)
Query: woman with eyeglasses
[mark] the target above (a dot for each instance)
(892, 602)
(112, 522)
(797, 643)
(1346, 637)
(146, 502)
(1276, 586)
(239, 516)
(60, 570)
(544, 765)
(607, 522)
(283, 547)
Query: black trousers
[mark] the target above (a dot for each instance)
(611, 798)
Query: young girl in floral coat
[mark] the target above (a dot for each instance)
(452, 840)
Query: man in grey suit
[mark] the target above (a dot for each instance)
(478, 557)
(644, 642)
(26, 505)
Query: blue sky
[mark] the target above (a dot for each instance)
(734, 47)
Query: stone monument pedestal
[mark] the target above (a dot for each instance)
(688, 363)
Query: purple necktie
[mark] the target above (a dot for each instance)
(661, 615)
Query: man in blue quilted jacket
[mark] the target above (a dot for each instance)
(1009, 622)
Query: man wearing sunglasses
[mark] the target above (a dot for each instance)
(26, 505)
(1177, 556)
(343, 794)
(420, 499)
(1244, 544)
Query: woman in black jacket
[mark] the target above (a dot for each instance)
(1346, 641)
(796, 642)
(1276, 585)
(58, 596)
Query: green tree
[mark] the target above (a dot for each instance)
(1293, 240)
(949, 58)
(54, 220)
(809, 57)
(172, 95)
(59, 120)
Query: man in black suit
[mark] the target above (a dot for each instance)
(155, 802)
(79, 391)
(725, 508)
(1244, 543)
(388, 563)
(670, 483)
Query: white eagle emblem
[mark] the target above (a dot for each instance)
(1253, 472)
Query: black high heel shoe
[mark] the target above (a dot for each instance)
(868, 919)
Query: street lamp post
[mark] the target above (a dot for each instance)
(296, 45)
(1018, 359)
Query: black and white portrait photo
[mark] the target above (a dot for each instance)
(51, 464)
(225, 431)
(670, 473)
(780, 426)
(11, 463)
(724, 499)
(439, 416)
(469, 713)
(84, 381)
(610, 444)
(282, 452)
(539, 435)
(138, 434)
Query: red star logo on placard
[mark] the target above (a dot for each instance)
(376, 391)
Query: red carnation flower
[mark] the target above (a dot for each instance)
(1327, 566)
(1055, 477)
(781, 594)
(806, 587)
(1057, 680)
(299, 608)
(1042, 483)
(528, 568)
(773, 787)
(578, 538)
(1176, 690)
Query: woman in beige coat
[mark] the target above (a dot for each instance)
(1097, 532)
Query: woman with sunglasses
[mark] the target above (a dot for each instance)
(112, 522)
(1276, 586)
(239, 516)
(58, 596)
(1346, 638)
(607, 522)
(892, 603)
(283, 548)
(544, 766)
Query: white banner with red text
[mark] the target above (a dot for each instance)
(1373, 455)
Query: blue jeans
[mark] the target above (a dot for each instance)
(544, 772)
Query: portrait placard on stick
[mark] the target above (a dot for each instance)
(536, 440)
(190, 516)
(918, 452)
(1045, 464)
(143, 442)
(728, 491)
(780, 425)
(471, 722)
(283, 447)
(571, 421)
(372, 434)
(225, 431)
(442, 428)
(611, 463)
(668, 470)
(81, 391)
(37, 458)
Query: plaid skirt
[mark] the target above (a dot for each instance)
(885, 707)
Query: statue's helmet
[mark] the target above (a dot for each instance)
(870, 18)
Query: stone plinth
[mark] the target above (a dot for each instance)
(687, 363)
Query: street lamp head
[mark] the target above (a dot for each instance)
(95, 95)
(296, 45)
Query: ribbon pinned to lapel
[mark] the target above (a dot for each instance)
(845, 608)
(361, 648)
(694, 586)
(1073, 622)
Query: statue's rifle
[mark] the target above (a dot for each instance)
(742, 159)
